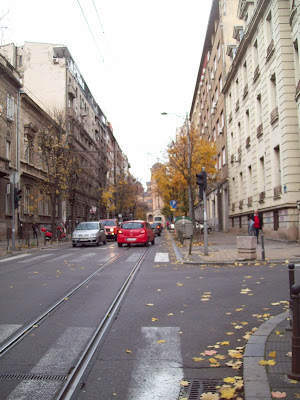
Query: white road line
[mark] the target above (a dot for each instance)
(36, 258)
(56, 361)
(83, 257)
(6, 330)
(134, 257)
(161, 257)
(14, 257)
(158, 372)
(63, 257)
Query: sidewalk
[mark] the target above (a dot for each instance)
(222, 249)
(259, 381)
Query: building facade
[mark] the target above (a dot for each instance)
(262, 112)
(207, 113)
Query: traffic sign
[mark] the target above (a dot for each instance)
(173, 204)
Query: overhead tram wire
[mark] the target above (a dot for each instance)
(98, 16)
(90, 31)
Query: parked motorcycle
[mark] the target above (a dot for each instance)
(48, 233)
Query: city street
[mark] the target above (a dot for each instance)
(177, 323)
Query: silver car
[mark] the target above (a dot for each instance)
(91, 232)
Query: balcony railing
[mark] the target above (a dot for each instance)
(297, 90)
(277, 191)
(248, 141)
(250, 200)
(259, 130)
(274, 115)
(262, 196)
(270, 49)
(245, 92)
(256, 73)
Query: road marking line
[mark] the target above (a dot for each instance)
(36, 258)
(64, 256)
(6, 330)
(161, 257)
(158, 372)
(134, 257)
(56, 361)
(15, 257)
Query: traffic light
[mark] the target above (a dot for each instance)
(17, 196)
(202, 180)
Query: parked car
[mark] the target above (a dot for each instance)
(201, 227)
(134, 232)
(91, 232)
(111, 228)
(157, 227)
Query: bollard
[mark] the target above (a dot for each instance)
(262, 247)
(295, 373)
(291, 268)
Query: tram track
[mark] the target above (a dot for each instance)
(73, 378)
(21, 333)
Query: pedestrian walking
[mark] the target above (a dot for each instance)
(34, 230)
(250, 227)
(258, 222)
(77, 221)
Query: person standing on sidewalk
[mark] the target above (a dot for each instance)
(258, 222)
(34, 230)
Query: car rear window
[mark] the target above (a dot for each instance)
(132, 225)
(84, 226)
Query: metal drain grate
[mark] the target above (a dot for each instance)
(196, 388)
(34, 377)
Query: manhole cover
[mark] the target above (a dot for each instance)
(196, 388)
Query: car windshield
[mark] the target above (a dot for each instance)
(108, 223)
(132, 225)
(86, 226)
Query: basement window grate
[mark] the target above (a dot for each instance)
(34, 377)
(196, 388)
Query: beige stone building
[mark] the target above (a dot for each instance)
(262, 99)
(52, 79)
(207, 113)
(153, 200)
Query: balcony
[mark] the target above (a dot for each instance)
(250, 200)
(270, 50)
(245, 92)
(259, 130)
(256, 73)
(241, 204)
(262, 196)
(297, 90)
(248, 142)
(277, 191)
(274, 115)
(71, 113)
(71, 91)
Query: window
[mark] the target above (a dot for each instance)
(277, 166)
(296, 58)
(219, 51)
(262, 174)
(255, 56)
(215, 64)
(249, 181)
(276, 220)
(222, 120)
(273, 91)
(10, 107)
(219, 161)
(8, 199)
(224, 155)
(258, 110)
(8, 150)
(245, 76)
(26, 200)
(215, 135)
(220, 83)
(269, 27)
(241, 189)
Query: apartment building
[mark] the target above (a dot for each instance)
(262, 111)
(10, 85)
(153, 200)
(52, 79)
(207, 113)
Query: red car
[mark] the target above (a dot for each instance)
(132, 232)
(111, 228)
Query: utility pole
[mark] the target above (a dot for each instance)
(202, 182)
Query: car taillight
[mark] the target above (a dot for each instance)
(143, 231)
(120, 231)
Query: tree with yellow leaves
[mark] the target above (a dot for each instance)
(172, 177)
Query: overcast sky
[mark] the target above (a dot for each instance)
(139, 58)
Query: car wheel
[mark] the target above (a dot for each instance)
(73, 244)
(153, 241)
(147, 243)
(120, 244)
